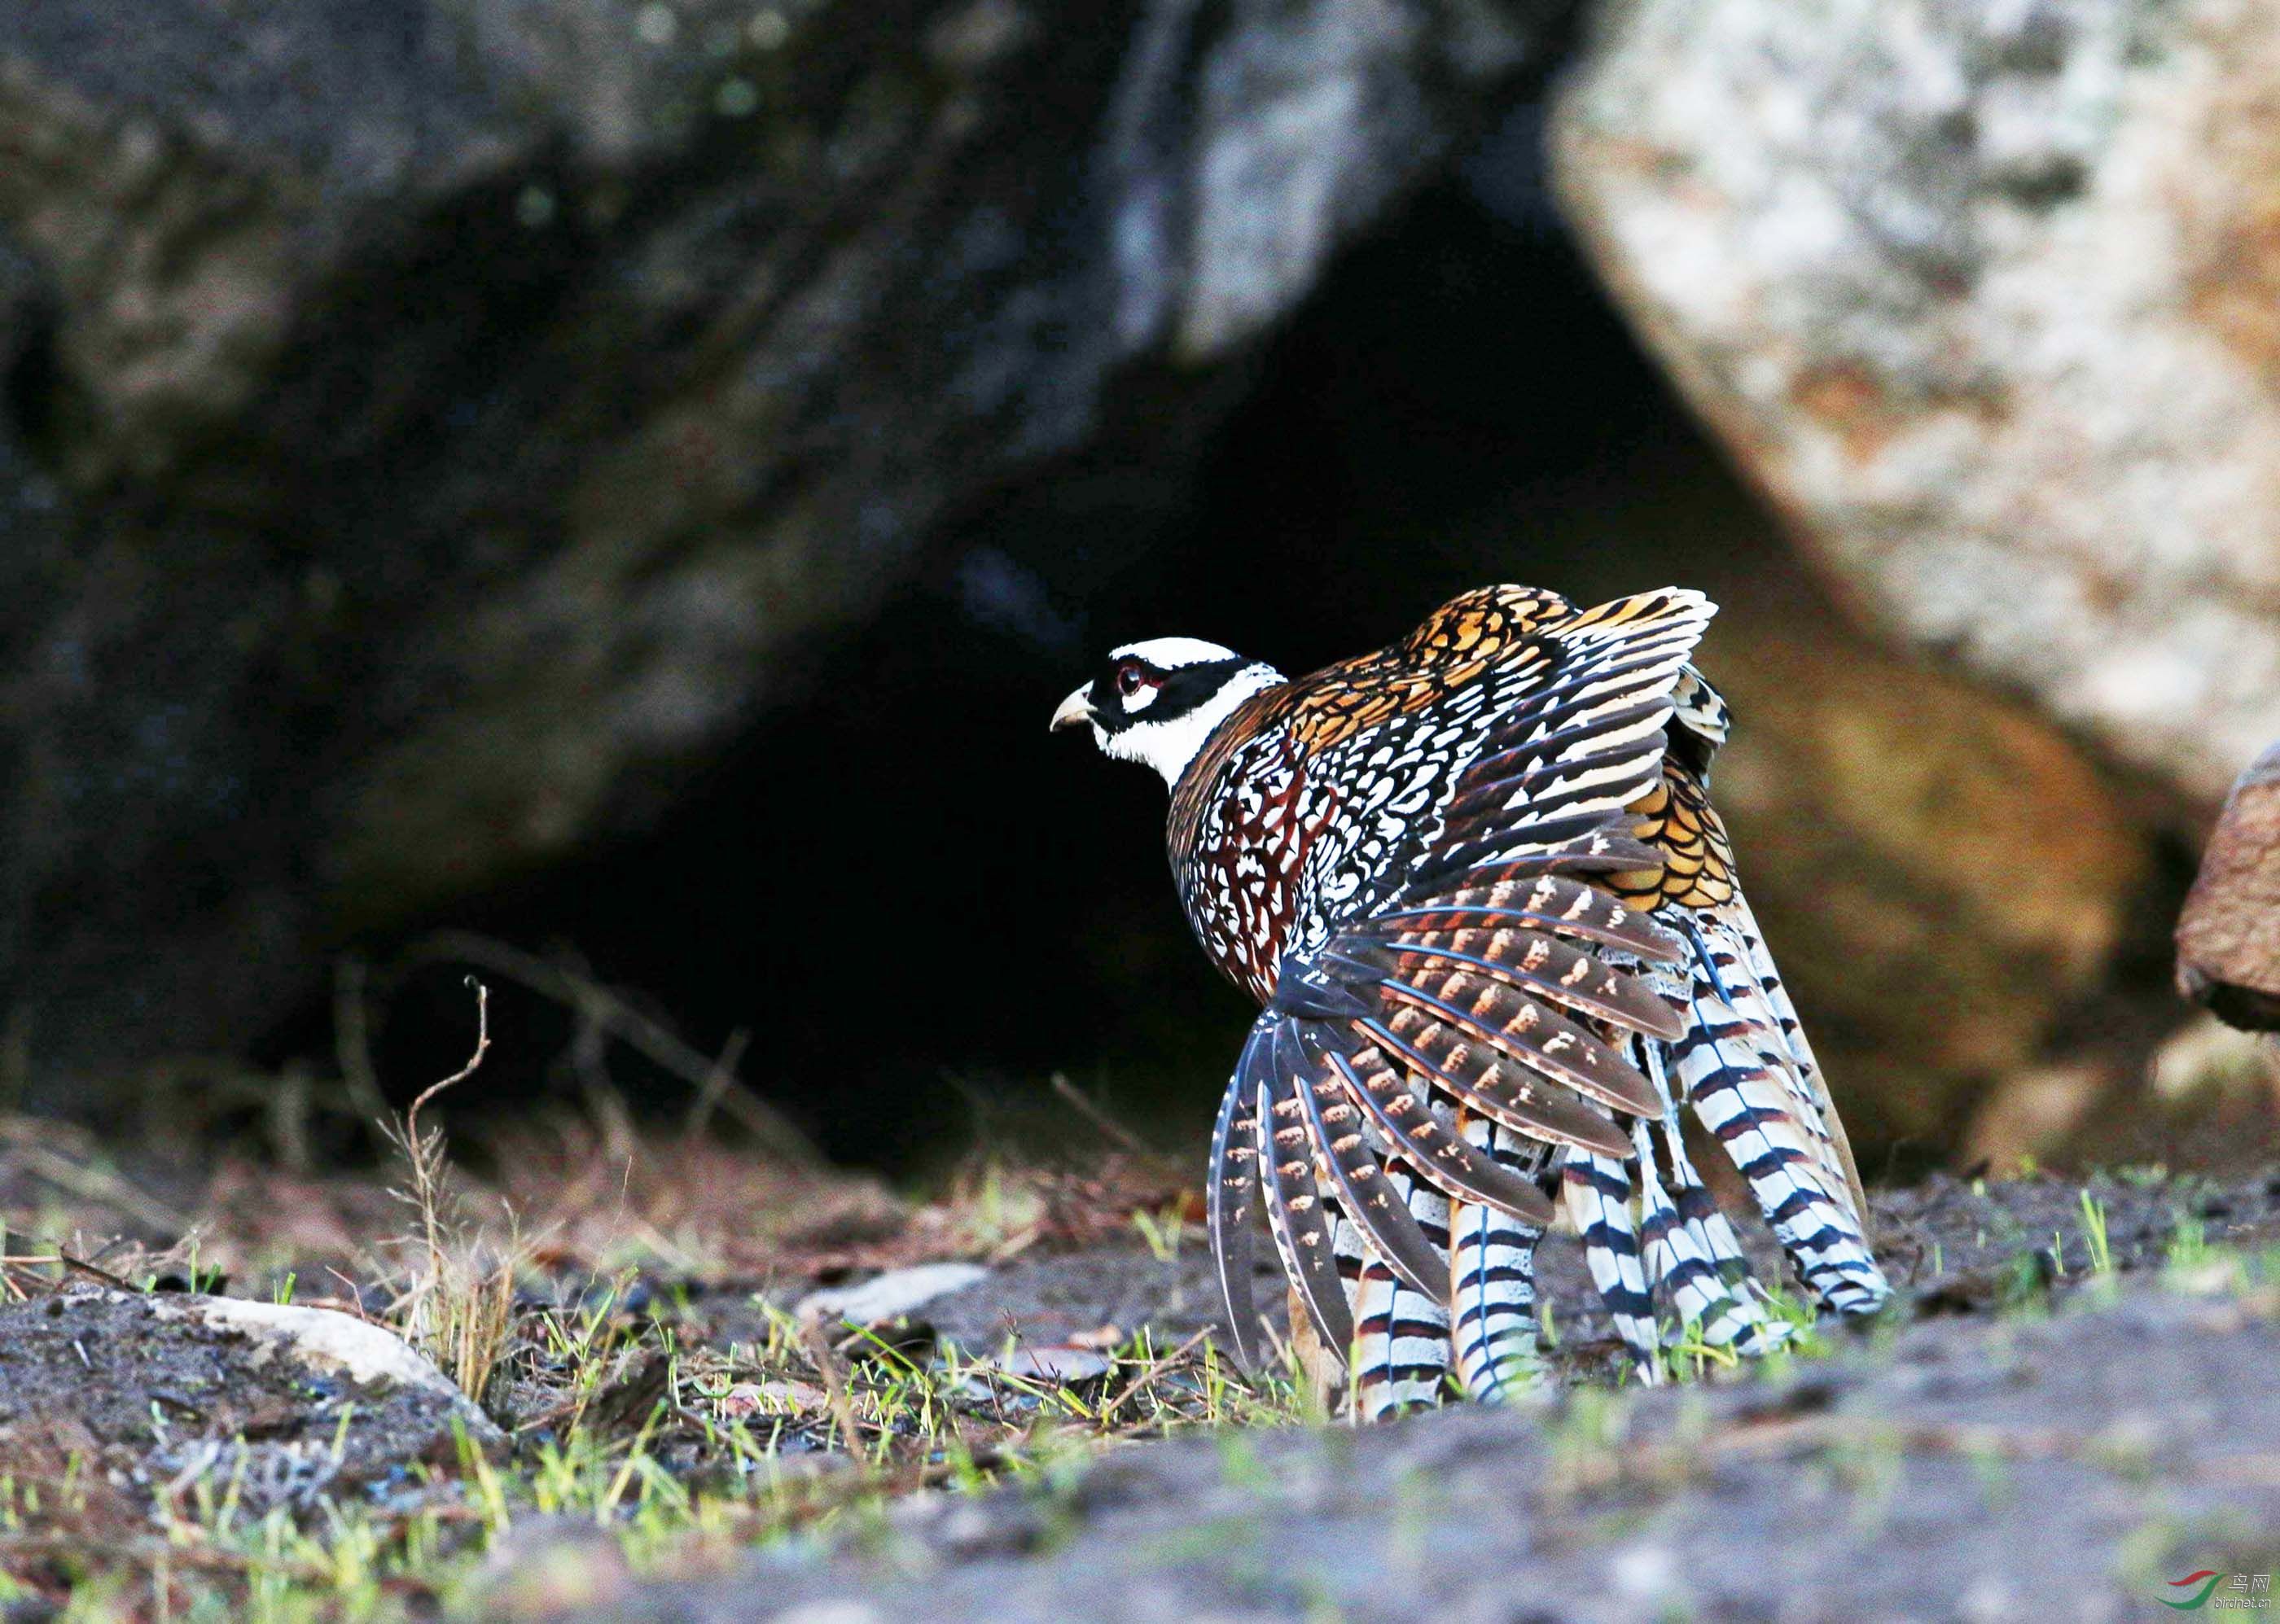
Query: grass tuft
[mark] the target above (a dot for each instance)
(457, 1301)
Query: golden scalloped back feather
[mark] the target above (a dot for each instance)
(1676, 819)
(1455, 647)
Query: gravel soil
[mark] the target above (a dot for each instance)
(2022, 1438)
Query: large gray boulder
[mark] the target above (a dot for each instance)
(1985, 296)
(431, 428)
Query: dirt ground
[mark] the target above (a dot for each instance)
(2030, 1438)
(2072, 1405)
(2061, 1469)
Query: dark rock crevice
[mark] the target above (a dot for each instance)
(467, 418)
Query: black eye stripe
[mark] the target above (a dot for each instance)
(1179, 691)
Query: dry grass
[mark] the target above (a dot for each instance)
(457, 1304)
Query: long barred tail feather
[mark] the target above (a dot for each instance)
(1692, 1255)
(1401, 1335)
(1493, 1326)
(1755, 988)
(1350, 1255)
(1709, 1222)
(1741, 1080)
(1754, 1331)
(1598, 1193)
(1682, 1261)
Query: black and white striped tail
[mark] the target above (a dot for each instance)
(1691, 1255)
(1401, 1336)
(1493, 1322)
(1597, 1191)
(1747, 1076)
(1758, 993)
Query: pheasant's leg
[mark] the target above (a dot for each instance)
(1321, 1369)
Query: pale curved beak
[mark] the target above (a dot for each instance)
(1075, 712)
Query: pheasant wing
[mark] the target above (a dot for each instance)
(1503, 738)
(1234, 1180)
(1497, 999)
(1576, 730)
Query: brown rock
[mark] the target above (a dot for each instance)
(2229, 936)
(1940, 872)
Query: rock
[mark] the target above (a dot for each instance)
(887, 1298)
(2229, 936)
(326, 1341)
(429, 431)
(296, 1403)
(1984, 298)
(1880, 809)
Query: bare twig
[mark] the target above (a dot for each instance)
(612, 1015)
(482, 1047)
(835, 1388)
(1148, 1374)
(460, 1311)
(716, 1083)
(1115, 1130)
(79, 1266)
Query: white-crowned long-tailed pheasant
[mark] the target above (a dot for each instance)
(1475, 882)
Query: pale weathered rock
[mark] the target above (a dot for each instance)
(325, 1340)
(889, 1297)
(1985, 296)
(429, 429)
(2228, 938)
